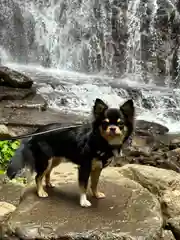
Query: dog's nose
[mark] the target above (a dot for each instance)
(112, 129)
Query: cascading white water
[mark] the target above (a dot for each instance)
(72, 34)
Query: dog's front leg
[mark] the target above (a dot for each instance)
(95, 174)
(84, 173)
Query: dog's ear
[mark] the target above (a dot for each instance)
(99, 108)
(128, 110)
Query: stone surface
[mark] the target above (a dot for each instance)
(10, 192)
(5, 132)
(8, 93)
(128, 212)
(6, 208)
(12, 78)
(174, 225)
(31, 102)
(167, 235)
(150, 127)
(32, 117)
(151, 150)
(165, 184)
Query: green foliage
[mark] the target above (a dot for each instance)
(7, 149)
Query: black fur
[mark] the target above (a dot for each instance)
(80, 144)
(23, 155)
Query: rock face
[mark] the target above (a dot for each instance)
(12, 78)
(105, 40)
(22, 107)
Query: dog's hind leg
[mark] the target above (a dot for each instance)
(55, 162)
(95, 174)
(39, 178)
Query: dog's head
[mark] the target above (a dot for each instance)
(115, 124)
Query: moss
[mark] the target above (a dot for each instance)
(7, 150)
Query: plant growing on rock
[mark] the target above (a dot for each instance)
(7, 149)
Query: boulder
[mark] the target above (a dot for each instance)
(8, 93)
(150, 127)
(15, 79)
(34, 118)
(165, 184)
(129, 211)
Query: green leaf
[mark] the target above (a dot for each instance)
(7, 149)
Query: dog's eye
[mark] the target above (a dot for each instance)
(120, 123)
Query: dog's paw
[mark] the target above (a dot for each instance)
(99, 195)
(84, 202)
(41, 193)
(49, 185)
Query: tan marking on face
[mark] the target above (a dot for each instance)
(106, 120)
(117, 138)
(119, 120)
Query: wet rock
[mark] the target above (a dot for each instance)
(129, 211)
(34, 118)
(174, 143)
(31, 102)
(8, 93)
(12, 78)
(151, 127)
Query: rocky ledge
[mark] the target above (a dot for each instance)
(22, 109)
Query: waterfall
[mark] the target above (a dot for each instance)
(89, 48)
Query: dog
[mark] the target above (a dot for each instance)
(90, 146)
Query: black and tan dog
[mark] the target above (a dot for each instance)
(90, 146)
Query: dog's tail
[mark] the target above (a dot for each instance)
(22, 158)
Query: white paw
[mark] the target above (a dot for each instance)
(42, 193)
(84, 202)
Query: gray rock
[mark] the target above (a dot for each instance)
(165, 184)
(31, 102)
(8, 93)
(34, 118)
(151, 127)
(128, 212)
(12, 78)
